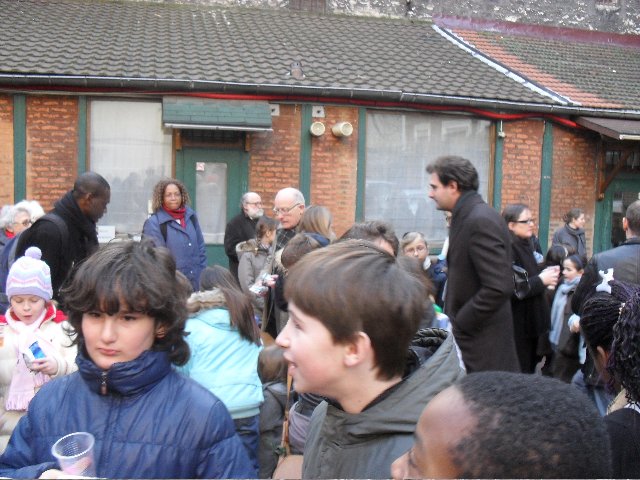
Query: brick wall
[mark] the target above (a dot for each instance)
(522, 162)
(573, 178)
(275, 162)
(275, 156)
(6, 149)
(52, 152)
(334, 168)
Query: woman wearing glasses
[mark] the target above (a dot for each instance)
(174, 225)
(531, 315)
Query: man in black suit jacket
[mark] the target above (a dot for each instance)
(242, 227)
(480, 280)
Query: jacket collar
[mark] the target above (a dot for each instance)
(127, 378)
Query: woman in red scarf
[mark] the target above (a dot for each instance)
(175, 225)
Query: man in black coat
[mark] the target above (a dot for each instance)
(624, 260)
(242, 227)
(67, 235)
(480, 280)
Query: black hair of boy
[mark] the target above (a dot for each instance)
(135, 276)
(530, 426)
(353, 286)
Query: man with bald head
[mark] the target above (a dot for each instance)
(242, 227)
(288, 207)
(68, 234)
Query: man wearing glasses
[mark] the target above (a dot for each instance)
(288, 208)
(480, 280)
(242, 227)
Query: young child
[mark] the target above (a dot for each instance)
(33, 347)
(353, 311)
(253, 256)
(149, 421)
(225, 343)
(566, 343)
(508, 425)
(272, 369)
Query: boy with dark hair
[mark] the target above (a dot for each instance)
(508, 425)
(353, 312)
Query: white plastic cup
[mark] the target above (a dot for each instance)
(74, 453)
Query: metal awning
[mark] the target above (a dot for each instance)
(208, 114)
(612, 127)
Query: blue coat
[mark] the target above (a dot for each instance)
(153, 423)
(186, 244)
(224, 362)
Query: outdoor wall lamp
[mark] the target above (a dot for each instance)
(342, 129)
(317, 129)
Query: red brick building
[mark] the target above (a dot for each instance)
(140, 90)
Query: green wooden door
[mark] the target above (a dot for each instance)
(609, 212)
(216, 179)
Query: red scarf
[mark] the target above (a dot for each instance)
(177, 214)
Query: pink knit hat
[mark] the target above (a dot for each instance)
(30, 276)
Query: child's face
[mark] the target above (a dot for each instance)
(315, 360)
(28, 308)
(569, 270)
(117, 338)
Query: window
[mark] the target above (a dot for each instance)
(130, 148)
(399, 147)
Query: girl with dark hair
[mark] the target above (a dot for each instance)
(531, 320)
(253, 257)
(128, 312)
(565, 342)
(571, 233)
(610, 323)
(225, 343)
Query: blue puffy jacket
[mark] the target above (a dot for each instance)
(186, 244)
(152, 423)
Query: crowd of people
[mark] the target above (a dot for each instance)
(316, 355)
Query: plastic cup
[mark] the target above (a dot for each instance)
(74, 453)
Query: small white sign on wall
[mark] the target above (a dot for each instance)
(106, 233)
(199, 166)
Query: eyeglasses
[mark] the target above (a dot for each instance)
(530, 220)
(283, 211)
(413, 251)
(255, 203)
(173, 195)
(24, 223)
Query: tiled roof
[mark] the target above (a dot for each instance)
(590, 69)
(166, 44)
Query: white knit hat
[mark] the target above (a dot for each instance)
(30, 276)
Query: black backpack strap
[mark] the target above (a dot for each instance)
(163, 227)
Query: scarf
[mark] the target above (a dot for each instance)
(177, 214)
(557, 309)
(24, 382)
(70, 212)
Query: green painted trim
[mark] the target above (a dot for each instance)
(305, 151)
(19, 147)
(361, 178)
(82, 134)
(546, 174)
(603, 221)
(497, 167)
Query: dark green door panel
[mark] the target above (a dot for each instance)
(216, 180)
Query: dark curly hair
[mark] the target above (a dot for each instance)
(529, 426)
(134, 276)
(158, 193)
(612, 322)
(624, 358)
